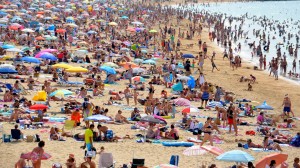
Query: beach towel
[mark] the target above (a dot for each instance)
(261, 150)
(177, 87)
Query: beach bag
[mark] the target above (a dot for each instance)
(174, 160)
(109, 134)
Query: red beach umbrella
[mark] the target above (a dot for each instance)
(38, 107)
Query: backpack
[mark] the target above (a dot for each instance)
(85, 105)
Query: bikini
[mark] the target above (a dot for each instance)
(208, 132)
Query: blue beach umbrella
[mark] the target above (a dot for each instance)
(3, 13)
(264, 106)
(236, 156)
(7, 71)
(188, 56)
(108, 70)
(48, 57)
(124, 17)
(7, 46)
(31, 60)
(137, 60)
(149, 61)
(91, 32)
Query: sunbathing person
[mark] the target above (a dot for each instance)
(54, 133)
(151, 134)
(88, 163)
(120, 118)
(97, 91)
(270, 144)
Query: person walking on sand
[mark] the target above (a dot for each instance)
(36, 155)
(207, 129)
(213, 65)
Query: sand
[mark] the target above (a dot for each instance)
(266, 89)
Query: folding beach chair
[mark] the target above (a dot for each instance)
(69, 125)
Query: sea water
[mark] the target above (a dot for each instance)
(285, 13)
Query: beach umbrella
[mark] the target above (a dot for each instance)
(7, 46)
(149, 61)
(165, 166)
(62, 92)
(29, 155)
(182, 77)
(91, 32)
(98, 117)
(108, 70)
(62, 65)
(182, 102)
(236, 156)
(49, 50)
(7, 71)
(151, 119)
(213, 149)
(48, 56)
(110, 64)
(124, 17)
(127, 64)
(49, 38)
(77, 69)
(38, 107)
(190, 110)
(38, 55)
(138, 61)
(81, 52)
(137, 23)
(39, 38)
(28, 30)
(153, 31)
(194, 151)
(125, 49)
(60, 30)
(278, 157)
(113, 24)
(13, 50)
(8, 66)
(144, 51)
(264, 106)
(31, 60)
(138, 70)
(138, 79)
(188, 56)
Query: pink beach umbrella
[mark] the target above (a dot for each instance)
(194, 151)
(182, 102)
(38, 55)
(213, 149)
(48, 50)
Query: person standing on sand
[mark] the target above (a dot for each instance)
(36, 155)
(88, 137)
(214, 66)
(287, 106)
(201, 61)
(127, 94)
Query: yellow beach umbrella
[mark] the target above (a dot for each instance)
(113, 24)
(64, 66)
(76, 70)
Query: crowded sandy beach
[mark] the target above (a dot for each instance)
(140, 84)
